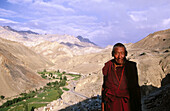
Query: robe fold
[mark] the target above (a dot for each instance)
(116, 94)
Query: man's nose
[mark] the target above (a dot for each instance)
(119, 56)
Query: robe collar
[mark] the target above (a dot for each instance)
(117, 64)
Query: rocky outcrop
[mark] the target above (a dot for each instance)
(91, 104)
(165, 81)
(165, 63)
(90, 86)
(158, 100)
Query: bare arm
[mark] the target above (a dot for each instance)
(102, 106)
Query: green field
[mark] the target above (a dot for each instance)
(41, 97)
(40, 100)
(51, 74)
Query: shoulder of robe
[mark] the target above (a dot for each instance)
(130, 62)
(106, 67)
(108, 62)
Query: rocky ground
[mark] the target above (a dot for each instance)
(158, 100)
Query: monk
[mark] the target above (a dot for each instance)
(120, 89)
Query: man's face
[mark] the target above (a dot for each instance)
(119, 54)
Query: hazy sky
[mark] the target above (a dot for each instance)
(104, 22)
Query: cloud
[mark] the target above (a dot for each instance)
(138, 16)
(6, 13)
(7, 21)
(49, 5)
(19, 1)
(166, 22)
(102, 21)
(38, 5)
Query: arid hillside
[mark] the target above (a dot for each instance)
(18, 68)
(157, 40)
(61, 52)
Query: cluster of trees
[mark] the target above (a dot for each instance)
(2, 97)
(44, 76)
(63, 82)
(16, 100)
(57, 84)
(51, 74)
(31, 94)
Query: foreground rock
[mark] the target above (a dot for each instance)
(158, 100)
(92, 104)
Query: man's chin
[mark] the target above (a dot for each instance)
(120, 62)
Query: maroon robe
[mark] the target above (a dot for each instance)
(116, 90)
(117, 95)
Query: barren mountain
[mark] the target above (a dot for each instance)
(157, 40)
(18, 68)
(59, 53)
(85, 40)
(20, 32)
(30, 38)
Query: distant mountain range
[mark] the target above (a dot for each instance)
(85, 40)
(33, 37)
(20, 32)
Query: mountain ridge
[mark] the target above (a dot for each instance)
(21, 31)
(30, 38)
(156, 40)
(85, 40)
